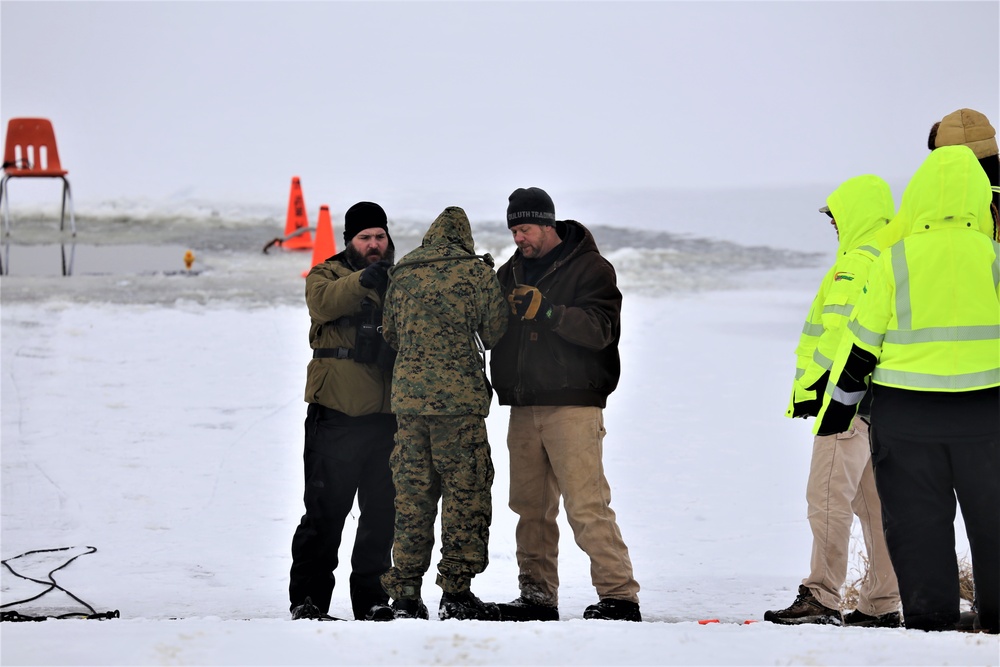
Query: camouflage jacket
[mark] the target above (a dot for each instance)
(333, 290)
(432, 311)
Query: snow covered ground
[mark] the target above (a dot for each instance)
(158, 417)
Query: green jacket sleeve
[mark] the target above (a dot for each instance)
(493, 324)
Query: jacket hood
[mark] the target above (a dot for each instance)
(950, 189)
(861, 206)
(450, 228)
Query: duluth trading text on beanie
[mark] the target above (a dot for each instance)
(530, 206)
(361, 216)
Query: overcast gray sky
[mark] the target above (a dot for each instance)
(228, 100)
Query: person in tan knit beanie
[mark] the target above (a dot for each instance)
(969, 127)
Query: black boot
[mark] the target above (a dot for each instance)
(523, 609)
(307, 610)
(409, 608)
(610, 609)
(858, 619)
(465, 606)
(380, 611)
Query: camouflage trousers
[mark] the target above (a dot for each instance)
(447, 459)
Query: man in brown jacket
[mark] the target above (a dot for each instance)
(555, 367)
(349, 427)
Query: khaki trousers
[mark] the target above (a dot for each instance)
(842, 486)
(558, 450)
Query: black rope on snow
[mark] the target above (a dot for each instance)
(15, 616)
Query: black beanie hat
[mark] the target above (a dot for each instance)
(531, 206)
(363, 215)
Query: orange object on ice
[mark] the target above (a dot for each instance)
(297, 236)
(188, 259)
(326, 246)
(30, 151)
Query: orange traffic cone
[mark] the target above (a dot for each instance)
(325, 247)
(297, 236)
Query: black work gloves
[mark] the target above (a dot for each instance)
(851, 388)
(810, 407)
(376, 276)
(529, 303)
(837, 418)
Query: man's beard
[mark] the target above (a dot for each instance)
(359, 261)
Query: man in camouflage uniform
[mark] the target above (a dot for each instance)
(349, 426)
(443, 307)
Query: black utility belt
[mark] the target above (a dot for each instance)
(333, 353)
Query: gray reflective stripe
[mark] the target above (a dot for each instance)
(811, 329)
(996, 265)
(822, 360)
(872, 249)
(944, 334)
(799, 372)
(847, 397)
(990, 378)
(866, 336)
(903, 314)
(843, 310)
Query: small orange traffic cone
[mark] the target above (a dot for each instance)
(325, 247)
(297, 236)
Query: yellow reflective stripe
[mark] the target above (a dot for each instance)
(866, 336)
(811, 329)
(823, 362)
(944, 334)
(842, 310)
(904, 315)
(990, 378)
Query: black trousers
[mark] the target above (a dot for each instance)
(918, 482)
(344, 456)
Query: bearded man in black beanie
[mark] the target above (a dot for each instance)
(555, 367)
(349, 429)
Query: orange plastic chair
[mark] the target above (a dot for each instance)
(30, 152)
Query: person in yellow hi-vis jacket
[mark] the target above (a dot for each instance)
(966, 127)
(841, 484)
(927, 330)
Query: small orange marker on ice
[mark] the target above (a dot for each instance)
(188, 259)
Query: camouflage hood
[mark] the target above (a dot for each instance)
(440, 298)
(450, 229)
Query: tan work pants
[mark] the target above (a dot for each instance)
(842, 485)
(558, 450)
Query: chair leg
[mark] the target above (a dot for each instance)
(67, 267)
(62, 217)
(4, 200)
(5, 262)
